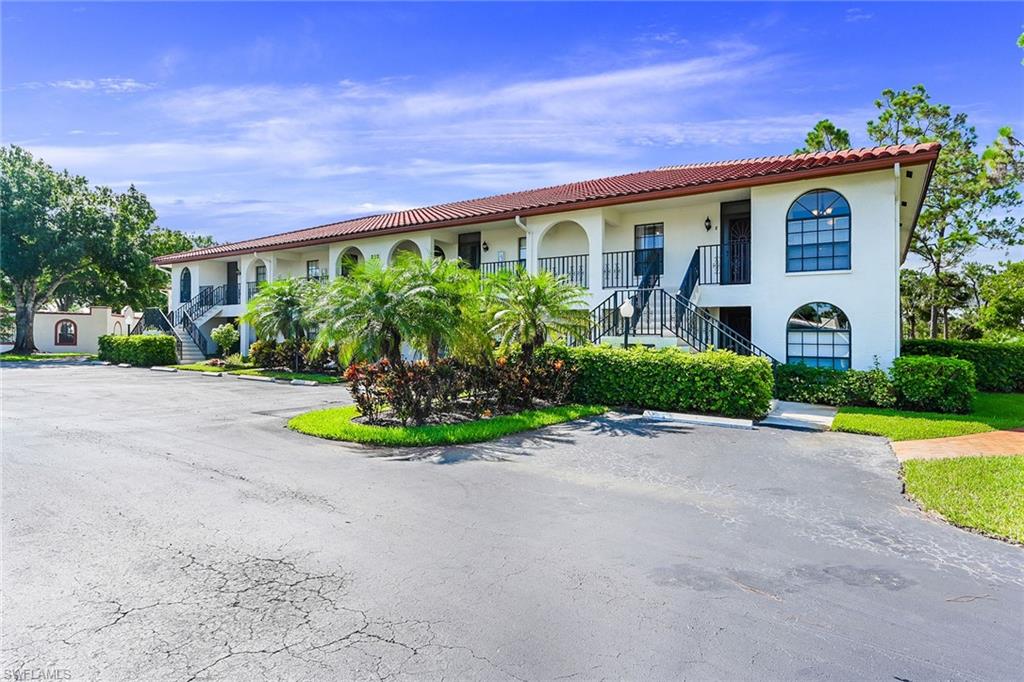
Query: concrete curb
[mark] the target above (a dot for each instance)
(123, 364)
(303, 382)
(211, 374)
(106, 363)
(163, 369)
(253, 377)
(702, 419)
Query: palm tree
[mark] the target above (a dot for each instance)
(278, 309)
(453, 318)
(528, 309)
(368, 314)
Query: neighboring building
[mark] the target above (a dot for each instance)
(63, 332)
(797, 256)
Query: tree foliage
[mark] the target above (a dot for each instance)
(281, 309)
(1003, 293)
(825, 136)
(528, 310)
(966, 205)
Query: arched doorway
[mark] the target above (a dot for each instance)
(563, 250)
(347, 259)
(403, 247)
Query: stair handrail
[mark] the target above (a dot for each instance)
(200, 304)
(703, 332)
(192, 329)
(154, 318)
(691, 277)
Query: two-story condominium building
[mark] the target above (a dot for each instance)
(796, 257)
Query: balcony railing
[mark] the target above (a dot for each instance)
(628, 269)
(253, 288)
(495, 267)
(725, 263)
(572, 268)
(318, 277)
(233, 294)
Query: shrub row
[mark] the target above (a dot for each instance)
(999, 366)
(934, 384)
(827, 386)
(143, 350)
(713, 382)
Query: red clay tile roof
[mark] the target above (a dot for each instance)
(645, 185)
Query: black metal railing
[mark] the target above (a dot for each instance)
(201, 304)
(154, 318)
(253, 288)
(318, 277)
(725, 263)
(626, 269)
(233, 293)
(656, 310)
(691, 277)
(194, 333)
(572, 268)
(495, 267)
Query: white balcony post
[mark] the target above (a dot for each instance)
(594, 227)
(532, 244)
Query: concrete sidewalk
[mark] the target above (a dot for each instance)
(992, 443)
(799, 416)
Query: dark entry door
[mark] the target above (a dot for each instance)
(469, 249)
(738, 319)
(231, 295)
(736, 242)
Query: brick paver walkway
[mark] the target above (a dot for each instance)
(975, 444)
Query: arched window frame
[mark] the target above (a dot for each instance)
(823, 241)
(57, 340)
(185, 286)
(800, 339)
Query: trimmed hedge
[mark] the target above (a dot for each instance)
(934, 384)
(827, 386)
(143, 350)
(999, 366)
(713, 382)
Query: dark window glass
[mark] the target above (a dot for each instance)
(261, 273)
(67, 333)
(185, 286)
(818, 232)
(522, 248)
(819, 335)
(649, 236)
(313, 269)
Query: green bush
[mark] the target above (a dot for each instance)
(714, 382)
(934, 384)
(999, 366)
(143, 350)
(826, 386)
(226, 337)
(263, 353)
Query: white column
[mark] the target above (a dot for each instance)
(532, 249)
(594, 227)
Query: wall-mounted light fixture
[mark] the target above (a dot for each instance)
(707, 223)
(485, 247)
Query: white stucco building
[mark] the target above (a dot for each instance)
(796, 257)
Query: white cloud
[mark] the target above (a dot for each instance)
(856, 14)
(107, 85)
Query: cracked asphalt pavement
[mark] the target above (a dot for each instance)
(168, 527)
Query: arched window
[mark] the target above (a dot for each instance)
(186, 286)
(118, 329)
(818, 334)
(65, 333)
(818, 232)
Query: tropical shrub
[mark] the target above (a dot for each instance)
(527, 310)
(145, 350)
(450, 388)
(934, 384)
(827, 386)
(999, 366)
(713, 382)
(282, 308)
(226, 337)
(271, 354)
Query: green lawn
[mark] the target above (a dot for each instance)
(983, 493)
(992, 412)
(279, 374)
(35, 357)
(336, 424)
(203, 367)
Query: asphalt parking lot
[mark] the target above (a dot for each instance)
(166, 526)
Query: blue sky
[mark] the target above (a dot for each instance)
(245, 119)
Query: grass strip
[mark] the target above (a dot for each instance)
(992, 412)
(280, 374)
(36, 357)
(981, 493)
(336, 424)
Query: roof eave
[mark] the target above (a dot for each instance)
(689, 190)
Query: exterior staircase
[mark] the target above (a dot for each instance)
(188, 351)
(659, 313)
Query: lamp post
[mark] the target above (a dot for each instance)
(626, 310)
(128, 316)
